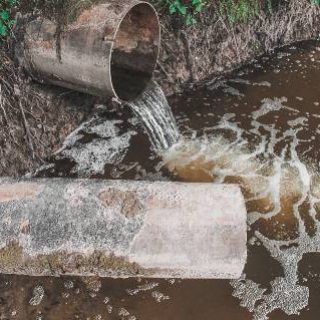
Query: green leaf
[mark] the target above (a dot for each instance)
(190, 20)
(172, 8)
(11, 3)
(3, 29)
(199, 7)
(181, 7)
(4, 14)
(11, 23)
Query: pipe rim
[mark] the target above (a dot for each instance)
(159, 35)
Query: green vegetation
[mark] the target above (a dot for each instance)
(239, 11)
(6, 20)
(234, 11)
(187, 9)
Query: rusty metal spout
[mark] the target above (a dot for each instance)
(109, 50)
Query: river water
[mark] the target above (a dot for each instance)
(260, 127)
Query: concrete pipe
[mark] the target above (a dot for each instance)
(109, 50)
(52, 227)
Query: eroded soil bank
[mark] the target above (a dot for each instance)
(258, 127)
(215, 46)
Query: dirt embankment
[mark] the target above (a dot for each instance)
(35, 119)
(214, 46)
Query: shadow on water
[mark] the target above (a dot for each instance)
(260, 128)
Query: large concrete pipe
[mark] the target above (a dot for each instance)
(52, 227)
(109, 50)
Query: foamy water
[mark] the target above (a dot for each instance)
(276, 183)
(108, 146)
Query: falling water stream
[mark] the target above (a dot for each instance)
(154, 112)
(260, 128)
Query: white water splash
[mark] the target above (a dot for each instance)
(153, 110)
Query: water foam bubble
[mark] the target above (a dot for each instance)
(276, 185)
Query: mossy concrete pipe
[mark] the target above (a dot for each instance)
(109, 49)
(52, 227)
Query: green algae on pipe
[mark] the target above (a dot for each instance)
(119, 229)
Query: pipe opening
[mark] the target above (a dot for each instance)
(135, 52)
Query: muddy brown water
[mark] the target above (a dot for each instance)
(259, 127)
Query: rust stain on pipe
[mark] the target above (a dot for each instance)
(129, 203)
(19, 191)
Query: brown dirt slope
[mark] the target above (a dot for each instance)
(214, 47)
(34, 119)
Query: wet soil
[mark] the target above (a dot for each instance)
(259, 127)
(34, 120)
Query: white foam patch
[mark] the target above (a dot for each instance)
(159, 296)
(37, 296)
(108, 146)
(269, 105)
(142, 288)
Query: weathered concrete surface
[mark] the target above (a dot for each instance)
(110, 50)
(122, 228)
